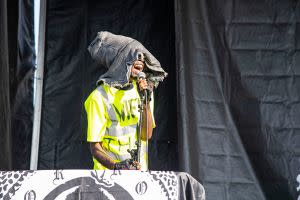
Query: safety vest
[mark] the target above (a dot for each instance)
(113, 117)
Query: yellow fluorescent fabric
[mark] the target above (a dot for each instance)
(113, 116)
(96, 116)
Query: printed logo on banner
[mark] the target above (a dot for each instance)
(102, 185)
(10, 182)
(30, 195)
(168, 182)
(58, 177)
(141, 188)
(98, 186)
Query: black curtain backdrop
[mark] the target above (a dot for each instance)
(238, 96)
(231, 99)
(21, 72)
(71, 74)
(8, 78)
(5, 145)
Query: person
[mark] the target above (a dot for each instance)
(113, 113)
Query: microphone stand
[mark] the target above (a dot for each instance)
(135, 153)
(146, 118)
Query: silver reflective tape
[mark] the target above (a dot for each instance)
(118, 157)
(108, 102)
(116, 130)
(127, 156)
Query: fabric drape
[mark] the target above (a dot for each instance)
(5, 142)
(238, 96)
(71, 75)
(22, 86)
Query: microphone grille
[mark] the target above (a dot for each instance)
(141, 75)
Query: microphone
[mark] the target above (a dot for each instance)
(142, 75)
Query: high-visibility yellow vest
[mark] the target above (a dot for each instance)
(113, 117)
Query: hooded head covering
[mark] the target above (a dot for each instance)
(117, 53)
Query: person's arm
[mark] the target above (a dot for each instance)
(102, 157)
(146, 135)
(97, 123)
(100, 154)
(147, 125)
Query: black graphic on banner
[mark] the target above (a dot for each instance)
(88, 184)
(30, 195)
(141, 188)
(10, 182)
(167, 181)
(57, 176)
(98, 186)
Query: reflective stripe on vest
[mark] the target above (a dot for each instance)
(119, 151)
(115, 129)
(125, 156)
(109, 108)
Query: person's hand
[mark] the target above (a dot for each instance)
(127, 165)
(143, 85)
(137, 165)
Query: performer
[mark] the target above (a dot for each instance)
(114, 118)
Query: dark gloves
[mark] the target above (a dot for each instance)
(127, 164)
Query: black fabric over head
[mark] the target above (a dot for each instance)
(117, 53)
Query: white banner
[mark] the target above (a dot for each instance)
(88, 184)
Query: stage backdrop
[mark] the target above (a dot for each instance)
(5, 157)
(21, 68)
(235, 109)
(71, 74)
(238, 96)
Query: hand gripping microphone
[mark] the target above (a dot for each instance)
(142, 75)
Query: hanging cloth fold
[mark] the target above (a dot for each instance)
(117, 53)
